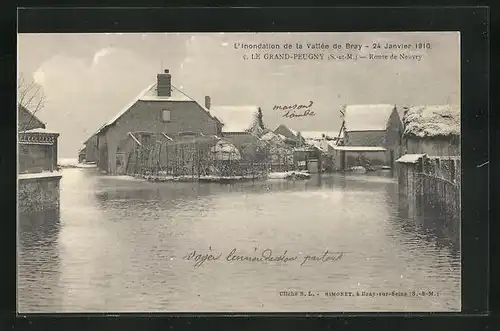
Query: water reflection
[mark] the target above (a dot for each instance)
(119, 243)
(38, 260)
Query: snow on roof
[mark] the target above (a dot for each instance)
(360, 148)
(151, 95)
(235, 118)
(39, 130)
(321, 145)
(367, 117)
(318, 135)
(38, 175)
(273, 136)
(432, 121)
(410, 158)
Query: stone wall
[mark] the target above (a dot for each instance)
(38, 193)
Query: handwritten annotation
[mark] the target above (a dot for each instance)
(296, 110)
(264, 256)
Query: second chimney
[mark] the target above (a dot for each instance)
(208, 102)
(164, 84)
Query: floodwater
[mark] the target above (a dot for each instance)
(118, 245)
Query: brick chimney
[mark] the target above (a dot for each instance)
(164, 84)
(208, 102)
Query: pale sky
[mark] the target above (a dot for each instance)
(88, 78)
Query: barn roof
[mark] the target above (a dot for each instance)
(432, 121)
(367, 117)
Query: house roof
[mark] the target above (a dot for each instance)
(367, 117)
(322, 145)
(286, 127)
(318, 135)
(272, 136)
(360, 148)
(149, 94)
(235, 118)
(22, 108)
(410, 158)
(432, 121)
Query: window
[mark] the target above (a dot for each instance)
(146, 139)
(165, 115)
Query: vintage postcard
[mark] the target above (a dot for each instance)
(239, 172)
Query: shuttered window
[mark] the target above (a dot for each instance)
(165, 115)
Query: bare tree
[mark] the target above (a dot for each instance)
(30, 96)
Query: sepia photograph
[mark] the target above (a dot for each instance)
(239, 172)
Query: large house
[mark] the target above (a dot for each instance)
(432, 130)
(159, 110)
(372, 133)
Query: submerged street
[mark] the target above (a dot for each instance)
(120, 245)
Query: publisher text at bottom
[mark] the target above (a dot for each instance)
(334, 294)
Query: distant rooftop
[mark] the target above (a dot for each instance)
(271, 135)
(318, 135)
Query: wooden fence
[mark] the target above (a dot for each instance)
(197, 158)
(432, 189)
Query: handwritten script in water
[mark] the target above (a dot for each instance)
(296, 110)
(260, 256)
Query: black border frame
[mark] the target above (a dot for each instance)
(472, 22)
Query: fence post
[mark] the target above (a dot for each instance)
(451, 165)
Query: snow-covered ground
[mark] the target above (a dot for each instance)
(289, 175)
(73, 163)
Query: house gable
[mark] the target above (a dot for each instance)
(286, 131)
(27, 120)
